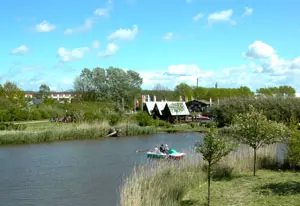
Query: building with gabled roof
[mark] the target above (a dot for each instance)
(175, 112)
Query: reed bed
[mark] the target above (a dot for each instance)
(166, 182)
(64, 132)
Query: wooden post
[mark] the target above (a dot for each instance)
(134, 105)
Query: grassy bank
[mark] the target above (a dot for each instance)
(183, 128)
(184, 182)
(47, 132)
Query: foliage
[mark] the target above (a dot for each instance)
(44, 91)
(11, 126)
(293, 142)
(143, 119)
(254, 129)
(184, 90)
(108, 84)
(213, 148)
(278, 91)
(278, 109)
(114, 119)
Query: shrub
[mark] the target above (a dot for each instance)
(11, 126)
(193, 125)
(143, 119)
(114, 119)
(88, 116)
(274, 108)
(35, 115)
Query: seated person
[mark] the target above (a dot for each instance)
(162, 148)
(166, 148)
(156, 150)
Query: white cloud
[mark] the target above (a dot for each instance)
(124, 34)
(31, 68)
(258, 50)
(111, 50)
(88, 24)
(69, 55)
(248, 11)
(101, 12)
(174, 75)
(222, 16)
(198, 16)
(104, 11)
(67, 80)
(96, 44)
(22, 50)
(168, 36)
(44, 26)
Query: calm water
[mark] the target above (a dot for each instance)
(75, 172)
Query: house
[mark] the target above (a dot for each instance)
(198, 105)
(175, 112)
(28, 95)
(148, 107)
(61, 95)
(158, 109)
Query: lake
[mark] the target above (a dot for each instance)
(76, 172)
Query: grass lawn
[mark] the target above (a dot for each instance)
(267, 188)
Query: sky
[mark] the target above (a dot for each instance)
(252, 43)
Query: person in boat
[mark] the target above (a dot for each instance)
(156, 150)
(166, 149)
(162, 148)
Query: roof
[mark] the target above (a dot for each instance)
(200, 101)
(150, 107)
(161, 106)
(177, 108)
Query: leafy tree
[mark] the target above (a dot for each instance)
(254, 129)
(278, 91)
(13, 93)
(293, 141)
(44, 91)
(112, 84)
(213, 148)
(184, 90)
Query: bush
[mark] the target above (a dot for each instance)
(143, 119)
(278, 109)
(11, 126)
(35, 115)
(193, 125)
(114, 119)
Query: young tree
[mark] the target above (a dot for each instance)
(213, 148)
(254, 129)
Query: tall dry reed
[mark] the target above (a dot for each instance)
(80, 131)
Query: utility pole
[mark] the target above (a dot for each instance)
(197, 82)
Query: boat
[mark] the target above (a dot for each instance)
(172, 154)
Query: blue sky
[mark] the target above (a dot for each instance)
(232, 42)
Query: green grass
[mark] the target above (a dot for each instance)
(267, 188)
(182, 128)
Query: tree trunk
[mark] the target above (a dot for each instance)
(254, 162)
(208, 184)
